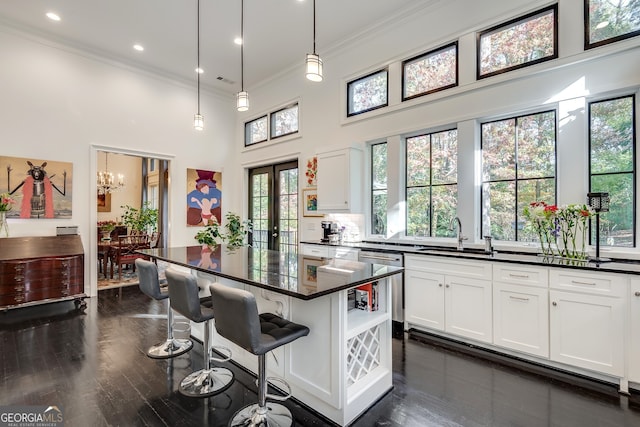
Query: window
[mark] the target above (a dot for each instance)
(518, 167)
(432, 187)
(379, 188)
(430, 72)
(255, 131)
(524, 41)
(612, 167)
(607, 21)
(284, 122)
(367, 93)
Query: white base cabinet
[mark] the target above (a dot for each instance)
(460, 304)
(587, 320)
(634, 331)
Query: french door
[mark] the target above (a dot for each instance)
(273, 206)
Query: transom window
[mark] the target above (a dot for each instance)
(612, 167)
(518, 167)
(284, 122)
(430, 72)
(518, 43)
(608, 21)
(379, 188)
(431, 183)
(255, 131)
(367, 93)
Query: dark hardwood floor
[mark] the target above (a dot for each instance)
(93, 366)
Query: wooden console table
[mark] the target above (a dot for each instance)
(38, 270)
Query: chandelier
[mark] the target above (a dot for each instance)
(106, 180)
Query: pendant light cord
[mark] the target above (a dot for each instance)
(314, 27)
(242, 46)
(198, 70)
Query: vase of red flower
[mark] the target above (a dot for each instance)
(6, 203)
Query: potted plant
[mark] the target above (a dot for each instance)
(106, 227)
(235, 234)
(141, 220)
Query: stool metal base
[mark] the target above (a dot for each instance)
(206, 382)
(273, 415)
(169, 348)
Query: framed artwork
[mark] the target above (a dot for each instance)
(41, 188)
(310, 271)
(310, 202)
(104, 202)
(204, 197)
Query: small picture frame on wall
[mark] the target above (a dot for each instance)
(310, 202)
(104, 202)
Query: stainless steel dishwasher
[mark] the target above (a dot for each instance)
(395, 259)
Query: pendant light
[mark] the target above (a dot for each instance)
(314, 62)
(198, 119)
(242, 98)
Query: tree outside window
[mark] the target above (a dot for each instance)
(608, 21)
(612, 167)
(432, 183)
(518, 167)
(379, 188)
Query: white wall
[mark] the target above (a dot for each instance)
(566, 83)
(63, 105)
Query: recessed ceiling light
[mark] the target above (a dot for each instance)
(238, 40)
(53, 16)
(199, 70)
(138, 47)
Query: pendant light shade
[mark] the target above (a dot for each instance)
(314, 62)
(314, 67)
(198, 119)
(242, 97)
(198, 122)
(242, 101)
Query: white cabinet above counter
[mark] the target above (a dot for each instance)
(339, 180)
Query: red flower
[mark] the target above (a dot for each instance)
(550, 208)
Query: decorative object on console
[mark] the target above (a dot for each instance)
(6, 203)
(43, 193)
(566, 223)
(599, 202)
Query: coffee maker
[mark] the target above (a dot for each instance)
(328, 228)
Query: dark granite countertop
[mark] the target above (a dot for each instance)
(300, 276)
(615, 266)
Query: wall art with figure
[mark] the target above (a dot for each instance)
(41, 188)
(204, 197)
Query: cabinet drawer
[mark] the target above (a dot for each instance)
(344, 253)
(40, 294)
(521, 275)
(592, 283)
(315, 250)
(444, 265)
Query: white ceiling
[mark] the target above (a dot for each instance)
(278, 33)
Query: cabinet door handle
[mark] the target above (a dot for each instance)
(554, 303)
(577, 282)
(447, 285)
(518, 298)
(637, 294)
(440, 285)
(521, 276)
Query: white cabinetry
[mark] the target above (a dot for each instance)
(453, 296)
(634, 331)
(520, 308)
(340, 180)
(327, 251)
(586, 319)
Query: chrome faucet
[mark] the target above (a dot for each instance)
(459, 235)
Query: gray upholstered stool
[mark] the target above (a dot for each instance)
(150, 285)
(183, 293)
(237, 320)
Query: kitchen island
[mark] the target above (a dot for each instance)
(344, 365)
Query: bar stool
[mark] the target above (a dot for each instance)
(237, 320)
(150, 285)
(183, 293)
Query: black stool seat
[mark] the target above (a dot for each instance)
(237, 319)
(184, 296)
(150, 285)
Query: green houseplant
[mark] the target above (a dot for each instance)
(234, 235)
(140, 220)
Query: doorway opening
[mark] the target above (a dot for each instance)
(273, 206)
